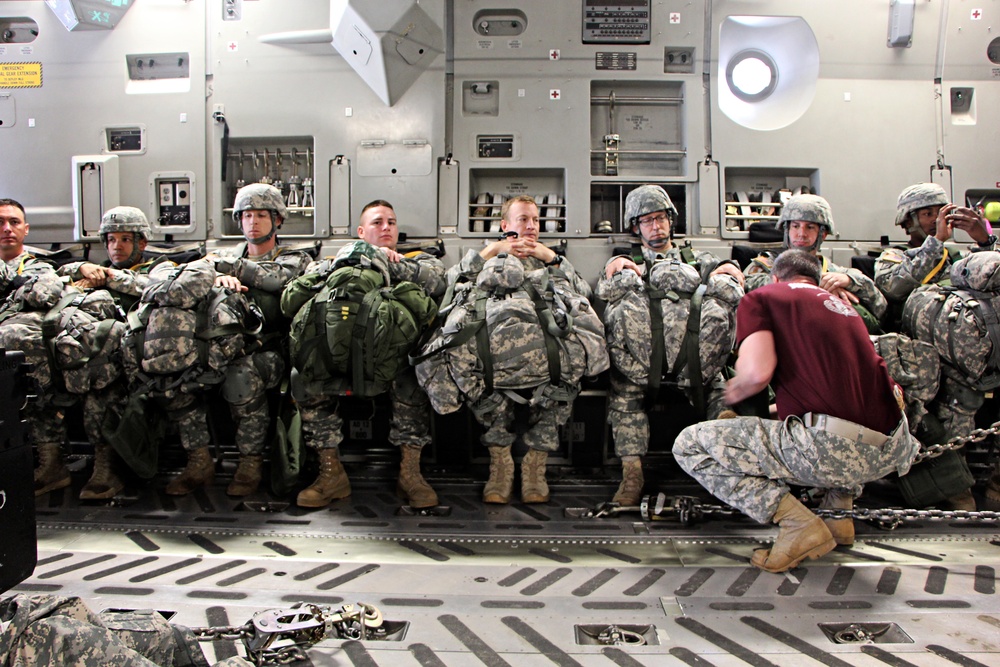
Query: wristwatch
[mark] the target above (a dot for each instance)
(990, 240)
(557, 260)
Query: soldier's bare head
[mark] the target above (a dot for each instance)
(13, 228)
(520, 214)
(378, 224)
(794, 265)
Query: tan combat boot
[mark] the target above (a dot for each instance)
(247, 477)
(841, 529)
(412, 486)
(103, 483)
(331, 483)
(199, 471)
(501, 483)
(534, 489)
(802, 535)
(630, 490)
(50, 474)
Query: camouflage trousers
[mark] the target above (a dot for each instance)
(46, 630)
(955, 406)
(628, 418)
(748, 462)
(245, 389)
(496, 414)
(410, 424)
(96, 406)
(189, 413)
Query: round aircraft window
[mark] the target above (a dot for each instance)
(752, 75)
(993, 51)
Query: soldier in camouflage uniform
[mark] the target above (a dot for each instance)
(125, 232)
(411, 412)
(262, 268)
(650, 215)
(806, 221)
(33, 288)
(924, 211)
(841, 419)
(520, 215)
(46, 630)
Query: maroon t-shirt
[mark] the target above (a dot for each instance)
(826, 362)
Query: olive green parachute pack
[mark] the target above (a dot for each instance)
(669, 326)
(512, 330)
(962, 320)
(352, 329)
(184, 331)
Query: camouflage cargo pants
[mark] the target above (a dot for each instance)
(411, 411)
(321, 425)
(189, 413)
(544, 421)
(748, 462)
(628, 418)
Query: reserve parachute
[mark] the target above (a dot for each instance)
(511, 330)
(351, 328)
(962, 320)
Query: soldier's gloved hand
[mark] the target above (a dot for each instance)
(621, 264)
(231, 282)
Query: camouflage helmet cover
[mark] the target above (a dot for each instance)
(124, 219)
(808, 208)
(259, 197)
(916, 197)
(363, 253)
(647, 199)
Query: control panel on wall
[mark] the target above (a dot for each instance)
(174, 211)
(616, 22)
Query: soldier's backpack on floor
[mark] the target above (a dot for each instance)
(512, 330)
(185, 330)
(670, 326)
(962, 320)
(351, 328)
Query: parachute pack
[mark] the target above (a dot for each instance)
(513, 329)
(185, 329)
(643, 319)
(83, 335)
(962, 320)
(351, 329)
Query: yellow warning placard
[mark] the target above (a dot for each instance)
(20, 75)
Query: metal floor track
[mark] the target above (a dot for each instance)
(525, 586)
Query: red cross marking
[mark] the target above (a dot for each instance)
(976, 13)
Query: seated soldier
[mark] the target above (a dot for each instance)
(650, 215)
(125, 233)
(520, 226)
(31, 289)
(806, 221)
(411, 415)
(841, 422)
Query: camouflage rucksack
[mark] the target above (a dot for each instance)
(513, 329)
(185, 329)
(351, 329)
(916, 367)
(669, 325)
(83, 336)
(962, 320)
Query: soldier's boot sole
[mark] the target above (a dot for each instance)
(411, 486)
(534, 488)
(331, 483)
(199, 471)
(247, 478)
(499, 487)
(630, 490)
(50, 474)
(801, 535)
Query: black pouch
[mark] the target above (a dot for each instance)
(935, 480)
(136, 434)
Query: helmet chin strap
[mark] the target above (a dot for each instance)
(914, 229)
(813, 248)
(658, 244)
(267, 237)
